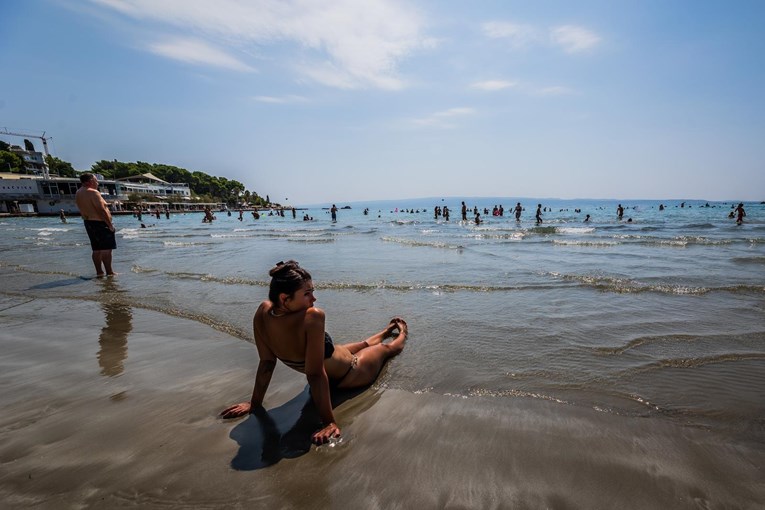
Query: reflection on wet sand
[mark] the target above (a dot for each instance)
(112, 342)
(113, 339)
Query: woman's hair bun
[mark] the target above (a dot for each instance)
(283, 267)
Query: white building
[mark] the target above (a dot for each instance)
(34, 162)
(34, 194)
(150, 184)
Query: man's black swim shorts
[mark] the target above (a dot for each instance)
(101, 238)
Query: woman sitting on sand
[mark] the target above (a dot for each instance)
(288, 327)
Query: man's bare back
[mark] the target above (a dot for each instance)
(92, 206)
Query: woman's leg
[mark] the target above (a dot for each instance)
(372, 358)
(375, 339)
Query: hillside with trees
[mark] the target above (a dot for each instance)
(208, 187)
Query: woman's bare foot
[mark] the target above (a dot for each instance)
(397, 323)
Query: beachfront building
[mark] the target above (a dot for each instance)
(150, 184)
(30, 194)
(18, 193)
(34, 162)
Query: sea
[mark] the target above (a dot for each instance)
(660, 315)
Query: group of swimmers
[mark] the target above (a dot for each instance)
(737, 212)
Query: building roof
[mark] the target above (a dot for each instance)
(148, 176)
(8, 175)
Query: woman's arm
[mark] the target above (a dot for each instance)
(317, 376)
(263, 375)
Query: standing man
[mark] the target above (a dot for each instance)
(334, 212)
(518, 210)
(464, 211)
(98, 223)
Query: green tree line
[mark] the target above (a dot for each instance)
(200, 183)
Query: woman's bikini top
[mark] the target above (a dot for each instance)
(329, 348)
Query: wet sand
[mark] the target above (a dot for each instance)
(108, 406)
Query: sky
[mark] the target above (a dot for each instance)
(317, 101)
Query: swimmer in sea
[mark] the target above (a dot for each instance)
(740, 214)
(289, 328)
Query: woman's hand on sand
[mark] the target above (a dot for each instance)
(236, 410)
(325, 434)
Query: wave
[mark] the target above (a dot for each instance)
(695, 225)
(29, 270)
(180, 244)
(310, 241)
(627, 285)
(139, 269)
(646, 340)
(484, 392)
(595, 244)
(756, 337)
(49, 230)
(602, 283)
(749, 260)
(695, 362)
(676, 241)
(543, 230)
(575, 230)
(338, 285)
(288, 234)
(513, 236)
(413, 242)
(239, 235)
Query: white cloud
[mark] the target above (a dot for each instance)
(280, 99)
(573, 39)
(553, 91)
(194, 51)
(342, 43)
(570, 38)
(492, 85)
(519, 35)
(442, 119)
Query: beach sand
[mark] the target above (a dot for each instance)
(108, 406)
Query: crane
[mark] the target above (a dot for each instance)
(42, 137)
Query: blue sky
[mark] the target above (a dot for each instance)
(350, 100)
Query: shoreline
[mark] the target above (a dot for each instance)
(112, 406)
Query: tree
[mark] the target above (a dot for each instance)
(215, 189)
(10, 162)
(105, 168)
(4, 146)
(60, 167)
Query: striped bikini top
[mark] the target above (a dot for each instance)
(329, 348)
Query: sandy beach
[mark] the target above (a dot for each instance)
(107, 406)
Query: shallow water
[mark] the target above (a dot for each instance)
(662, 318)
